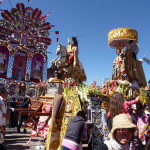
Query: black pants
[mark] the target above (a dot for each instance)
(21, 119)
(12, 120)
(2, 147)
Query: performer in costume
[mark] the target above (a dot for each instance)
(72, 50)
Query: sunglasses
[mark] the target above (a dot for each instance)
(124, 130)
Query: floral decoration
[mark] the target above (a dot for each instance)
(105, 105)
(42, 86)
(143, 96)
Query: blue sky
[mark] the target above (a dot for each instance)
(93, 19)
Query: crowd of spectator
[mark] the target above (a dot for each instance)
(8, 117)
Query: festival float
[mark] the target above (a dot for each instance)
(23, 44)
(128, 78)
(127, 69)
(126, 66)
(61, 101)
(61, 92)
(65, 74)
(24, 39)
(58, 101)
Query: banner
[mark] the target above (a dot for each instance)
(19, 66)
(37, 67)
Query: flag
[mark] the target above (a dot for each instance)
(146, 60)
(45, 15)
(57, 32)
(1, 1)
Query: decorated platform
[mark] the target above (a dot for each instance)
(24, 39)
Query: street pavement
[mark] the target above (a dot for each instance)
(18, 141)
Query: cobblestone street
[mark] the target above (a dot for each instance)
(18, 141)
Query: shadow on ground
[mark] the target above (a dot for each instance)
(18, 141)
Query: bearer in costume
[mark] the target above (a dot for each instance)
(72, 50)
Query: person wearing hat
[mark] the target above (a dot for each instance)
(121, 134)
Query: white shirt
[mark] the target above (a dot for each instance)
(3, 108)
(1, 118)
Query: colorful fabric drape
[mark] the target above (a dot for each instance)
(57, 130)
(40, 124)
